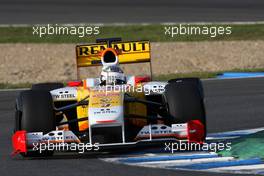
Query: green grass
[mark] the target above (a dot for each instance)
(202, 75)
(14, 86)
(154, 33)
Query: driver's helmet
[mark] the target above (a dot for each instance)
(112, 75)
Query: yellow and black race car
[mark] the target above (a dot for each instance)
(113, 110)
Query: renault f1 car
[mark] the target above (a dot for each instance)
(97, 113)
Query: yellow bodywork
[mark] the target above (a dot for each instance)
(82, 111)
(101, 99)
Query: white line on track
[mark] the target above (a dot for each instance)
(147, 155)
(163, 164)
(232, 134)
(232, 168)
(153, 161)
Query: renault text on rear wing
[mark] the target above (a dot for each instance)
(128, 52)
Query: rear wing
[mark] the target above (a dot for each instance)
(89, 55)
(128, 52)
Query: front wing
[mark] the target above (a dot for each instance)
(23, 141)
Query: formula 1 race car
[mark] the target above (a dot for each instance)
(113, 110)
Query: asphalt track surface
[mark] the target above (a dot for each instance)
(231, 105)
(129, 11)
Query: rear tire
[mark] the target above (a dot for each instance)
(47, 86)
(36, 114)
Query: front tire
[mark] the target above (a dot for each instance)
(184, 101)
(35, 114)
